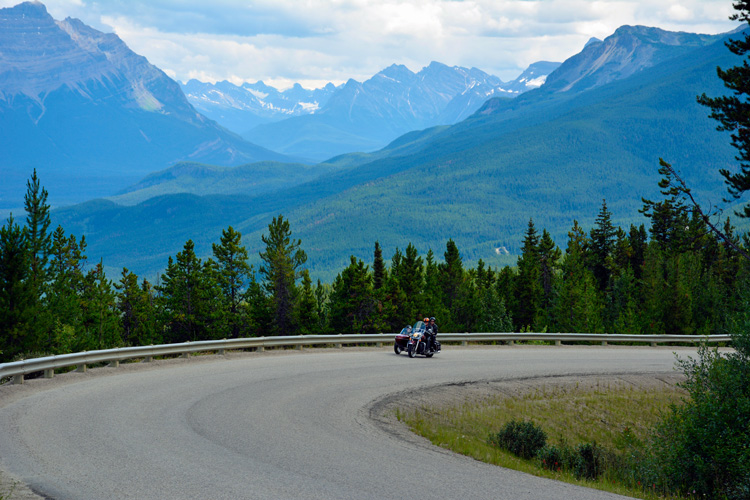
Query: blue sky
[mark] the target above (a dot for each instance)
(316, 41)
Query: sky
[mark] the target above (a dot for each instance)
(318, 41)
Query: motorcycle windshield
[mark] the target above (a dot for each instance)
(419, 325)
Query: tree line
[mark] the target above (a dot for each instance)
(676, 277)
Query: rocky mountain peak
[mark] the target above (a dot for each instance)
(627, 51)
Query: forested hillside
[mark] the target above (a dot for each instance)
(668, 274)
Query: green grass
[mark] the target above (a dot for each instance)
(612, 415)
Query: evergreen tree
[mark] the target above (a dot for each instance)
(451, 276)
(733, 111)
(101, 318)
(282, 260)
(189, 298)
(38, 242)
(654, 291)
(351, 303)
(307, 312)
(232, 272)
(135, 304)
(63, 302)
(379, 272)
(549, 255)
(260, 309)
(578, 305)
(602, 244)
(16, 295)
(528, 285)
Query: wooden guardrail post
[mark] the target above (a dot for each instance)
(18, 379)
(49, 373)
(81, 368)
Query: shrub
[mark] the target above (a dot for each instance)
(523, 439)
(702, 446)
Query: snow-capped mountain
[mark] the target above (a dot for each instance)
(363, 116)
(242, 107)
(80, 107)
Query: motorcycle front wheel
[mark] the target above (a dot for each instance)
(410, 350)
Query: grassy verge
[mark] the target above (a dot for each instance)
(613, 415)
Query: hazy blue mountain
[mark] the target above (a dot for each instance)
(365, 116)
(547, 155)
(242, 107)
(195, 178)
(92, 116)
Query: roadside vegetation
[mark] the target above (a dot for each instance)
(593, 436)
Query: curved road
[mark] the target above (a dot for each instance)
(274, 426)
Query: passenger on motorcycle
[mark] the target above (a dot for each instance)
(431, 331)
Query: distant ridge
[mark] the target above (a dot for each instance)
(356, 116)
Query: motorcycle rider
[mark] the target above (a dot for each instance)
(433, 329)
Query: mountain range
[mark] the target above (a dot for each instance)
(595, 130)
(366, 116)
(91, 115)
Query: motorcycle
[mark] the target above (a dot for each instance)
(401, 342)
(418, 342)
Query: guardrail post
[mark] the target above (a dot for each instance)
(260, 348)
(185, 355)
(653, 344)
(18, 379)
(49, 373)
(604, 342)
(558, 342)
(340, 345)
(148, 359)
(510, 342)
(378, 344)
(298, 347)
(115, 363)
(81, 368)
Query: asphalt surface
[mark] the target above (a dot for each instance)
(296, 425)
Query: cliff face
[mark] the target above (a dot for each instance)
(85, 110)
(39, 56)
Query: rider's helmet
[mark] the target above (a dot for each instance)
(427, 320)
(432, 319)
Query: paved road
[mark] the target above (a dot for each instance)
(274, 426)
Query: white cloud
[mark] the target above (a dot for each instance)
(315, 41)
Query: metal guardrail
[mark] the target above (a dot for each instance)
(49, 364)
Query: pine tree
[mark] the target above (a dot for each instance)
(351, 302)
(64, 329)
(101, 318)
(733, 111)
(451, 275)
(528, 285)
(578, 306)
(189, 298)
(137, 312)
(307, 308)
(282, 261)
(602, 244)
(16, 294)
(232, 272)
(549, 255)
(38, 242)
(379, 273)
